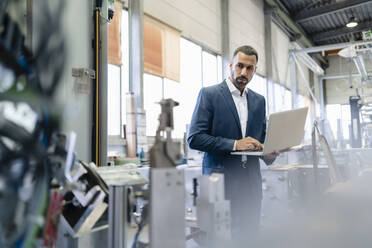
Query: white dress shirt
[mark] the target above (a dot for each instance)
(241, 105)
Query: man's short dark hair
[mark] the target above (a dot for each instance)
(247, 50)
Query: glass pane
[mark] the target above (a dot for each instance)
(181, 114)
(300, 101)
(125, 60)
(220, 76)
(190, 63)
(209, 69)
(346, 120)
(333, 113)
(258, 84)
(279, 97)
(152, 93)
(113, 100)
(190, 84)
(287, 100)
(270, 98)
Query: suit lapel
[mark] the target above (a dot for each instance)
(230, 102)
(251, 106)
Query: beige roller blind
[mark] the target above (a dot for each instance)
(153, 47)
(114, 33)
(161, 49)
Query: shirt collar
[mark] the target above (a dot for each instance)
(233, 89)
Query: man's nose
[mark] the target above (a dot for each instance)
(244, 71)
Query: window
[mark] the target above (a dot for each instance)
(125, 64)
(300, 101)
(333, 114)
(194, 73)
(210, 71)
(346, 120)
(279, 97)
(118, 85)
(152, 94)
(258, 85)
(113, 100)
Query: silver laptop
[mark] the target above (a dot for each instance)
(285, 130)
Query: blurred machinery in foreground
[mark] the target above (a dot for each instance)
(32, 151)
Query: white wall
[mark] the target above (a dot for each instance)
(197, 20)
(76, 108)
(338, 90)
(301, 82)
(247, 27)
(280, 58)
(280, 62)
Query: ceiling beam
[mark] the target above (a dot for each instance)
(303, 39)
(306, 15)
(326, 35)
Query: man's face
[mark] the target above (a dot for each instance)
(242, 69)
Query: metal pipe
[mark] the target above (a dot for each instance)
(340, 76)
(225, 37)
(330, 47)
(363, 69)
(356, 62)
(323, 114)
(307, 84)
(293, 79)
(97, 63)
(117, 232)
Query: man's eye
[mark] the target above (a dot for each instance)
(250, 68)
(240, 66)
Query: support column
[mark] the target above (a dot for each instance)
(117, 216)
(323, 114)
(225, 37)
(103, 89)
(293, 79)
(269, 59)
(136, 54)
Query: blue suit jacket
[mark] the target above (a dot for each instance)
(215, 126)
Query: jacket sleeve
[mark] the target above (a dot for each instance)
(200, 137)
(263, 136)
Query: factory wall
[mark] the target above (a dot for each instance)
(280, 57)
(198, 20)
(337, 91)
(247, 27)
(281, 45)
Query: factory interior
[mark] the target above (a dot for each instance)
(122, 123)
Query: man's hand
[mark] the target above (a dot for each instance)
(271, 156)
(248, 143)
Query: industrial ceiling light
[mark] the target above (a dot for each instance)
(352, 22)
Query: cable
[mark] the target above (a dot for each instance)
(140, 226)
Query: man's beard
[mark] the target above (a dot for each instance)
(241, 82)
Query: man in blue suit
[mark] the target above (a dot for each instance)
(230, 117)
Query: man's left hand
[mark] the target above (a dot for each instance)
(271, 156)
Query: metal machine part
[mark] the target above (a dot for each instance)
(355, 134)
(167, 208)
(84, 206)
(167, 213)
(117, 235)
(213, 211)
(165, 153)
(334, 170)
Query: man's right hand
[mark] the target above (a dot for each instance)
(248, 143)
